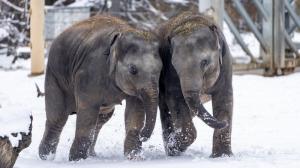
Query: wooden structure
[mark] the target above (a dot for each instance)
(37, 36)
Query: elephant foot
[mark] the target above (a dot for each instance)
(47, 151)
(77, 155)
(223, 153)
(133, 146)
(178, 142)
(79, 149)
(92, 153)
(135, 156)
(173, 152)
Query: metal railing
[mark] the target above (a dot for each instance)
(279, 54)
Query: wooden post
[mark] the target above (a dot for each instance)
(37, 36)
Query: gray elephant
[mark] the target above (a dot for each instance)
(93, 66)
(196, 68)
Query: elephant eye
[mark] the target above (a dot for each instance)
(132, 69)
(204, 63)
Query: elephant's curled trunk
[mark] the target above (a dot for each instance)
(193, 100)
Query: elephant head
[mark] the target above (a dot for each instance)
(136, 66)
(197, 59)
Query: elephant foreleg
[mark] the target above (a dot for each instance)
(134, 122)
(222, 109)
(178, 128)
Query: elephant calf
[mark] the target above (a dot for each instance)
(196, 66)
(93, 66)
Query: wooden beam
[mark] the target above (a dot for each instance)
(37, 36)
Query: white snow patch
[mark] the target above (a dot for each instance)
(23, 50)
(82, 3)
(183, 2)
(296, 37)
(14, 119)
(6, 63)
(3, 33)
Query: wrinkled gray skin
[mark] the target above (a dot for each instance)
(196, 68)
(93, 66)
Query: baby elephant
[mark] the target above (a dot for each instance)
(93, 66)
(196, 66)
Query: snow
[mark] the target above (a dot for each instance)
(265, 128)
(14, 119)
(81, 3)
(183, 2)
(296, 37)
(6, 63)
(236, 51)
(23, 50)
(3, 33)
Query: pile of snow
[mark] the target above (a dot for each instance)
(14, 119)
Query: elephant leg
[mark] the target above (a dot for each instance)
(167, 125)
(103, 117)
(178, 128)
(87, 116)
(134, 122)
(222, 109)
(187, 133)
(56, 117)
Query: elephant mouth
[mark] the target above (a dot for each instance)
(204, 98)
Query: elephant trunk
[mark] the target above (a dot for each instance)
(150, 100)
(194, 103)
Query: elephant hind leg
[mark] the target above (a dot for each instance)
(56, 117)
(104, 116)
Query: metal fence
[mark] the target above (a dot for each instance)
(278, 54)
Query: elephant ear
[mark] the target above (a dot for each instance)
(219, 42)
(112, 52)
(170, 44)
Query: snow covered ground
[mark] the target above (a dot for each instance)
(265, 128)
(14, 119)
